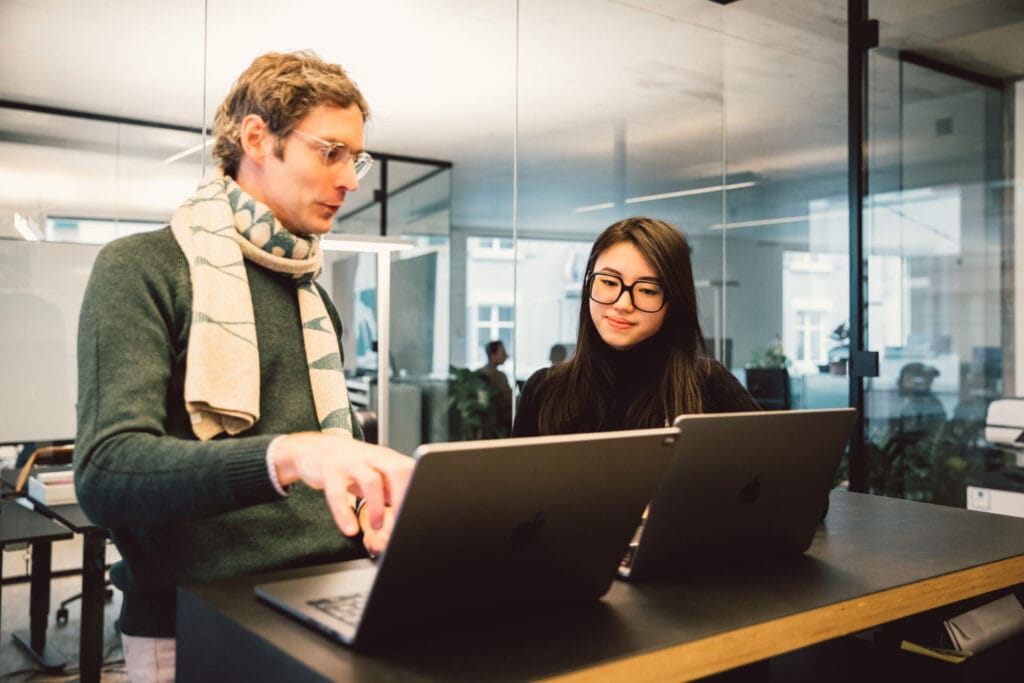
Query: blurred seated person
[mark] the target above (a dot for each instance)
(920, 409)
(558, 354)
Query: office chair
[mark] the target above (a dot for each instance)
(52, 455)
(367, 420)
(769, 387)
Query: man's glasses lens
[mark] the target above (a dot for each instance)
(339, 153)
(647, 296)
(363, 162)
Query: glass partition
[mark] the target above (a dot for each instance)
(785, 237)
(520, 130)
(936, 244)
(646, 141)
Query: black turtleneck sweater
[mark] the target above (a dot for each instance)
(635, 371)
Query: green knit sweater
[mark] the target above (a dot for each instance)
(179, 509)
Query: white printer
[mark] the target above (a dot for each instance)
(1004, 430)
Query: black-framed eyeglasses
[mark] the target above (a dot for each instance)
(647, 295)
(339, 153)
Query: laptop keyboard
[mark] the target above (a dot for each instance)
(346, 608)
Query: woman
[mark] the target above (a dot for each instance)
(640, 357)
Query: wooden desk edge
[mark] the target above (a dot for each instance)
(753, 643)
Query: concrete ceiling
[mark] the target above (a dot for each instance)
(581, 102)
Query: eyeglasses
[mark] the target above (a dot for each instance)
(338, 153)
(647, 295)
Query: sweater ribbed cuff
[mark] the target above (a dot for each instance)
(246, 473)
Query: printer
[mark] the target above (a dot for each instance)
(1001, 490)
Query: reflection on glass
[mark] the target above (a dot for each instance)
(412, 201)
(934, 239)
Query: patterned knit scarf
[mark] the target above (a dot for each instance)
(218, 228)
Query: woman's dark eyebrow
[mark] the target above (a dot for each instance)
(645, 278)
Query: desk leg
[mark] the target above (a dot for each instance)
(90, 659)
(34, 642)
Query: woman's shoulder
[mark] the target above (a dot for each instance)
(723, 391)
(539, 376)
(546, 375)
(714, 370)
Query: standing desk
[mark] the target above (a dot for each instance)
(90, 657)
(90, 635)
(873, 560)
(20, 525)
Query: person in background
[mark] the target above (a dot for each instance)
(501, 390)
(921, 411)
(640, 358)
(215, 437)
(558, 354)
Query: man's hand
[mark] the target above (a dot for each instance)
(375, 540)
(339, 465)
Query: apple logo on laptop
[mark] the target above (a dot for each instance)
(526, 534)
(751, 490)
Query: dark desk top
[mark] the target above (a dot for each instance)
(906, 557)
(20, 525)
(70, 515)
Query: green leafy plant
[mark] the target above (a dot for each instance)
(769, 356)
(933, 467)
(471, 401)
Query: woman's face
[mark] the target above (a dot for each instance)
(620, 324)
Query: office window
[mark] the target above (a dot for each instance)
(493, 322)
(809, 337)
(814, 295)
(491, 248)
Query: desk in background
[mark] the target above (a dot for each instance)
(94, 539)
(90, 658)
(21, 525)
(875, 560)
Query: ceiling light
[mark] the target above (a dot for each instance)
(22, 225)
(687, 193)
(766, 221)
(366, 244)
(818, 216)
(190, 151)
(594, 207)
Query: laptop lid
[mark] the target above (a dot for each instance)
(741, 486)
(492, 526)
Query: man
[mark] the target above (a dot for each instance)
(214, 436)
(502, 392)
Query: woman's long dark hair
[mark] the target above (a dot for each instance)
(570, 398)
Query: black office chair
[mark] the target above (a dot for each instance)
(769, 387)
(367, 420)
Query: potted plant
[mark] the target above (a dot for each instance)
(471, 401)
(768, 377)
(839, 354)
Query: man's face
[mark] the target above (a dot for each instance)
(499, 356)
(302, 190)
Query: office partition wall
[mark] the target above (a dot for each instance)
(519, 129)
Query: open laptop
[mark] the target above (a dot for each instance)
(488, 528)
(741, 486)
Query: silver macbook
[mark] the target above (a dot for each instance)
(489, 527)
(741, 486)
